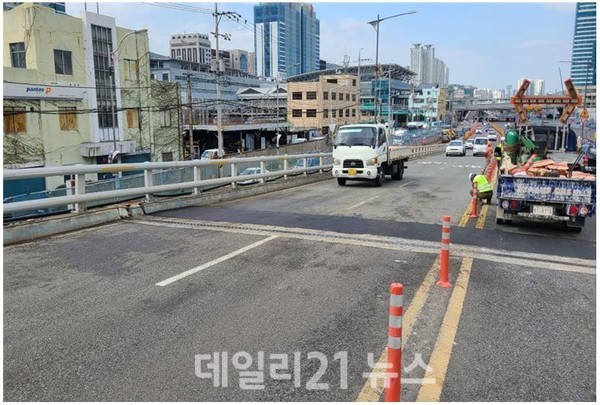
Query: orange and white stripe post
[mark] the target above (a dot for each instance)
(394, 347)
(445, 254)
(474, 202)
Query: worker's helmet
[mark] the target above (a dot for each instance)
(471, 177)
(502, 139)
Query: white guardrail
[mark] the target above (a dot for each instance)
(77, 198)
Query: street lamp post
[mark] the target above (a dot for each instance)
(375, 24)
(113, 56)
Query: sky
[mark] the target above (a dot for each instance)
(485, 44)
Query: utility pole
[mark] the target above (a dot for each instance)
(218, 74)
(190, 116)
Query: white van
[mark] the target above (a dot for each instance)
(480, 146)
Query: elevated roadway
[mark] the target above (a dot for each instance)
(133, 310)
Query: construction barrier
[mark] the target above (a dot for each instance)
(445, 254)
(394, 349)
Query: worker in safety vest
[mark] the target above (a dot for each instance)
(484, 188)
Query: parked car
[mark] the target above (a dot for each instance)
(469, 143)
(588, 163)
(491, 136)
(478, 131)
(480, 146)
(456, 147)
(250, 171)
(312, 162)
(209, 154)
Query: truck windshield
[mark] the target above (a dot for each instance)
(356, 137)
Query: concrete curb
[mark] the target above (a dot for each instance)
(43, 227)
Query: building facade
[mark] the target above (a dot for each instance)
(583, 58)
(428, 68)
(286, 39)
(331, 100)
(240, 60)
(192, 47)
(64, 102)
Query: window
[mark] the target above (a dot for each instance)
(312, 113)
(341, 113)
(332, 113)
(325, 113)
(311, 95)
(354, 97)
(130, 69)
(14, 120)
(296, 113)
(353, 112)
(67, 117)
(132, 118)
(347, 113)
(62, 62)
(297, 95)
(105, 81)
(165, 77)
(17, 55)
(341, 98)
(348, 97)
(325, 95)
(333, 96)
(167, 156)
(165, 118)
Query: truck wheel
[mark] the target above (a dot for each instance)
(341, 182)
(400, 170)
(396, 172)
(380, 177)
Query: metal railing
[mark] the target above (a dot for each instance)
(180, 177)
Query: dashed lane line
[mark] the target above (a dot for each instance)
(213, 262)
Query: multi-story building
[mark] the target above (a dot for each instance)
(192, 47)
(427, 103)
(239, 59)
(286, 39)
(428, 68)
(583, 58)
(530, 89)
(64, 102)
(330, 100)
(539, 87)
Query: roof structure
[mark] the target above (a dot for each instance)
(397, 72)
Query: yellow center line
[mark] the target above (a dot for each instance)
(372, 394)
(440, 357)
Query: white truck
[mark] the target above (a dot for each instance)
(362, 152)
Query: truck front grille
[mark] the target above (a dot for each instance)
(353, 164)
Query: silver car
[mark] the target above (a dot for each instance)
(456, 147)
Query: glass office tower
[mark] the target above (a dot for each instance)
(584, 46)
(286, 39)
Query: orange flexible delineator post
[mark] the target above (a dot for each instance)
(474, 202)
(394, 348)
(445, 254)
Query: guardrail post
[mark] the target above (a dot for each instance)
(262, 171)
(233, 174)
(285, 168)
(79, 190)
(148, 182)
(197, 177)
(320, 163)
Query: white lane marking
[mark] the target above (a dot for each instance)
(550, 262)
(213, 262)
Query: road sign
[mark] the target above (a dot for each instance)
(584, 114)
